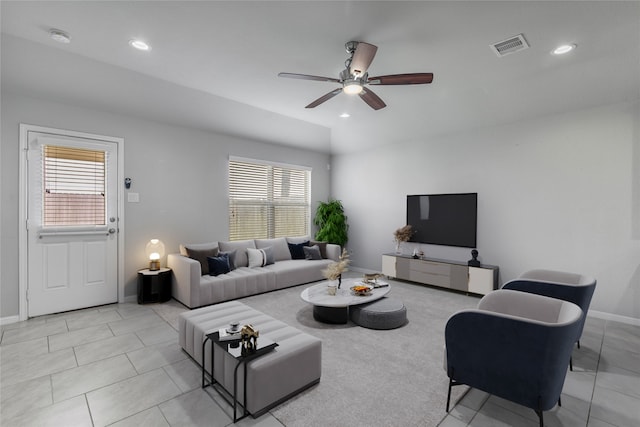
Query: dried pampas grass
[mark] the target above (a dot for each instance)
(335, 269)
(403, 234)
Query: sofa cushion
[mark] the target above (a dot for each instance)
(219, 264)
(240, 247)
(312, 252)
(279, 246)
(200, 253)
(238, 283)
(322, 246)
(296, 249)
(296, 272)
(298, 239)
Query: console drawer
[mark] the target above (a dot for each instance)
(430, 279)
(430, 267)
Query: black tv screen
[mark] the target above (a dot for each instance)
(443, 219)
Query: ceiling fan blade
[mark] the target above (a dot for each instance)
(362, 58)
(324, 98)
(402, 79)
(372, 99)
(308, 77)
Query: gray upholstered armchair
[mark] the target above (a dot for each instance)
(514, 345)
(575, 288)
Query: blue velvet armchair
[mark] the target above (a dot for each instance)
(514, 345)
(575, 288)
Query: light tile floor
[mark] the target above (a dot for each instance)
(120, 365)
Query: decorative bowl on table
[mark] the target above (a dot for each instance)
(361, 289)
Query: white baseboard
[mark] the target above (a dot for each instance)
(131, 298)
(614, 317)
(9, 319)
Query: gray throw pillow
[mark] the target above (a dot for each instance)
(268, 251)
(312, 252)
(232, 258)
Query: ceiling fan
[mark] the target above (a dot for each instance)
(354, 77)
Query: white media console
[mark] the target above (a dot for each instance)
(443, 273)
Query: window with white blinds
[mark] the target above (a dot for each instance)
(268, 200)
(74, 186)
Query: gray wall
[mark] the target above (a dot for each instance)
(180, 174)
(559, 192)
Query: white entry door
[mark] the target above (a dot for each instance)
(72, 222)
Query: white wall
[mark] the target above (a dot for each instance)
(557, 192)
(180, 174)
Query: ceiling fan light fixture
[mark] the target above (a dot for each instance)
(352, 87)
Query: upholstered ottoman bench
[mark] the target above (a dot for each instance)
(384, 313)
(293, 366)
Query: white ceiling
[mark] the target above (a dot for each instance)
(216, 62)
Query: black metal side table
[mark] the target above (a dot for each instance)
(234, 348)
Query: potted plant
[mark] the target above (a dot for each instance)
(331, 222)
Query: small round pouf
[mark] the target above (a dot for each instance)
(385, 313)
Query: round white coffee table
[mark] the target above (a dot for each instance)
(335, 308)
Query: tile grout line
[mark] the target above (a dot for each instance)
(595, 379)
(86, 401)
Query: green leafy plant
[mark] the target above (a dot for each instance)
(331, 222)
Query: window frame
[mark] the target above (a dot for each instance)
(272, 205)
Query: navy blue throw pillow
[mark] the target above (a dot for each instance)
(218, 264)
(296, 249)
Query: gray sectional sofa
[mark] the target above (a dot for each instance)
(195, 286)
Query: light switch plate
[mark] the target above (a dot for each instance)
(133, 197)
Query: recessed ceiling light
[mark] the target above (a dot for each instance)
(139, 44)
(59, 36)
(345, 115)
(562, 49)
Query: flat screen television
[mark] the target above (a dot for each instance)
(443, 219)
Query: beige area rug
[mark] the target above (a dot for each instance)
(369, 377)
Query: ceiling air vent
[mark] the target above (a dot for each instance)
(510, 45)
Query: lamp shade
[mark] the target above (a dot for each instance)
(154, 251)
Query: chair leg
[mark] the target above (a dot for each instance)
(559, 400)
(578, 343)
(539, 413)
(571, 363)
(449, 393)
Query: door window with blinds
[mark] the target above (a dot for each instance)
(268, 200)
(74, 186)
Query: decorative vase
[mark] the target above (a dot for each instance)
(398, 247)
(332, 288)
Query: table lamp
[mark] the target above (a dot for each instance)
(155, 251)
